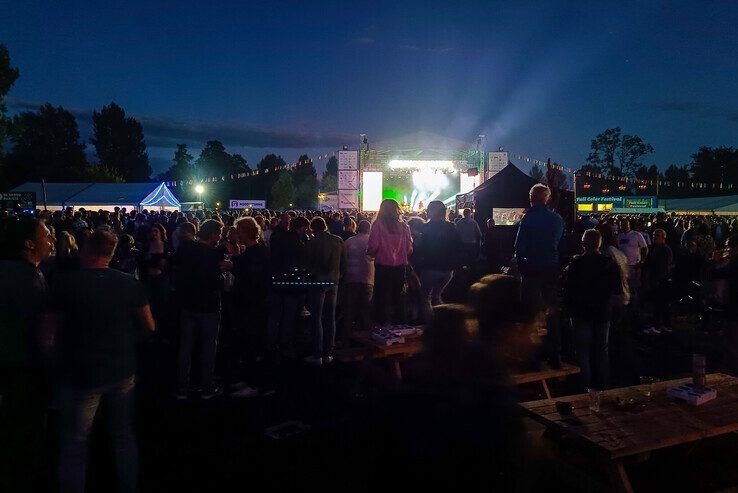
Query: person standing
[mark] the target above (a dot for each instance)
(326, 262)
(438, 252)
(537, 245)
(100, 312)
(724, 266)
(634, 246)
(199, 285)
(349, 228)
(23, 305)
(656, 272)
(592, 280)
(470, 236)
(250, 308)
(389, 245)
(288, 262)
(358, 284)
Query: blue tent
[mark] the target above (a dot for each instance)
(103, 195)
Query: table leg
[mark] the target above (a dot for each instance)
(397, 370)
(545, 389)
(619, 477)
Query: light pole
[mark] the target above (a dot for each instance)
(200, 189)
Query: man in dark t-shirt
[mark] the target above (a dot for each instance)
(199, 283)
(100, 311)
(592, 279)
(23, 295)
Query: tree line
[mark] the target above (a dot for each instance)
(614, 154)
(46, 144)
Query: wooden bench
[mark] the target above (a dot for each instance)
(617, 437)
(371, 349)
(543, 375)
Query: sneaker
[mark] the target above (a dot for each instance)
(245, 391)
(651, 331)
(180, 396)
(327, 360)
(215, 392)
(665, 329)
(304, 312)
(313, 360)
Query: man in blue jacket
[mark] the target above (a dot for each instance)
(537, 252)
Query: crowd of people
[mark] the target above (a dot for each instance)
(230, 289)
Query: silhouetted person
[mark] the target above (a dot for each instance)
(100, 312)
(25, 244)
(537, 252)
(592, 280)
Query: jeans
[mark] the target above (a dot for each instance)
(357, 298)
(78, 407)
(469, 253)
(321, 304)
(432, 283)
(592, 344)
(284, 308)
(197, 328)
(388, 283)
(539, 293)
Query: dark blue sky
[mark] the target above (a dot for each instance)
(540, 78)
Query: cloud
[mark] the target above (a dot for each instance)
(165, 131)
(697, 109)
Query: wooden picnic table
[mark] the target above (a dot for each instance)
(617, 435)
(545, 374)
(394, 354)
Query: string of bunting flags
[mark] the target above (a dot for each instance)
(624, 179)
(246, 174)
(521, 157)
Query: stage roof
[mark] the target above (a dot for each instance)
(423, 141)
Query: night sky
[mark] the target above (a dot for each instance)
(539, 78)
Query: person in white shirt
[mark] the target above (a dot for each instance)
(632, 244)
(471, 237)
(358, 286)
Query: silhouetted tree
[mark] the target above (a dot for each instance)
(45, 145)
(102, 174)
(263, 183)
(677, 174)
(715, 165)
(213, 160)
(239, 164)
(617, 154)
(331, 168)
(283, 192)
(119, 143)
(536, 172)
(8, 76)
(647, 173)
(329, 179)
(182, 167)
(305, 179)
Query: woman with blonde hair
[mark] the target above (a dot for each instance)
(66, 246)
(389, 245)
(66, 256)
